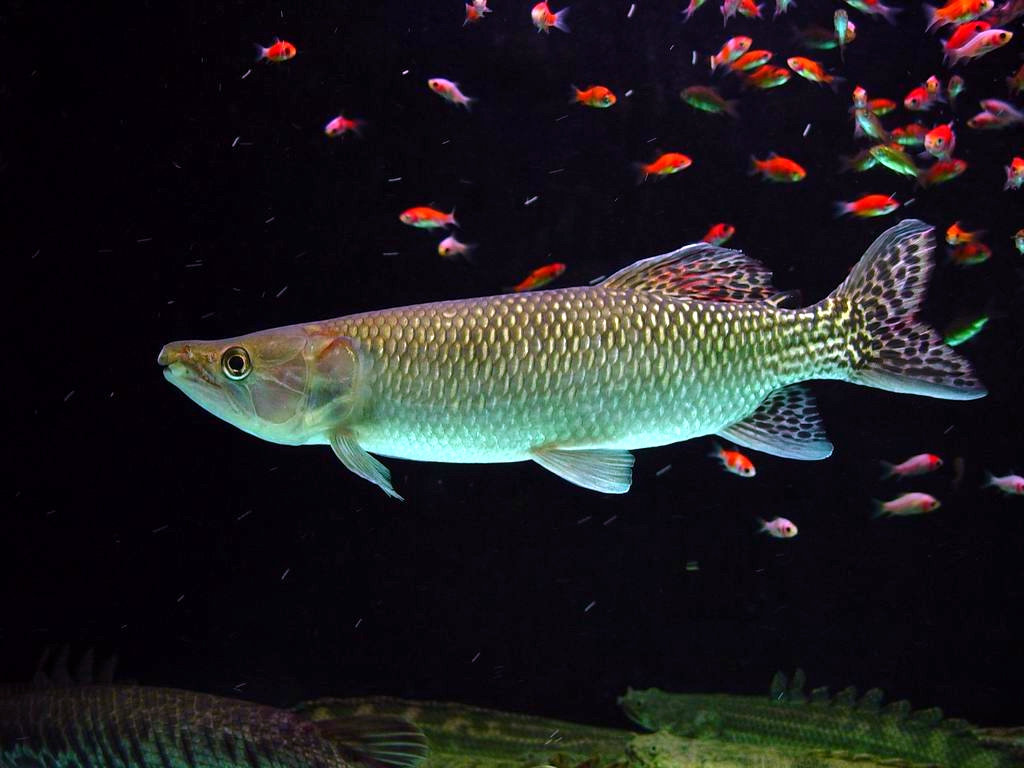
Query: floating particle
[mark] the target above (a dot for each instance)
(628, 93)
(692, 566)
(531, 200)
(610, 520)
(358, 622)
(244, 515)
(160, 529)
(393, 180)
(583, 520)
(807, 129)
(280, 293)
(235, 142)
(475, 657)
(69, 395)
(390, 253)
(247, 73)
(285, 574)
(664, 470)
(590, 605)
(632, 9)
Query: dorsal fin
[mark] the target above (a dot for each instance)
(846, 697)
(700, 271)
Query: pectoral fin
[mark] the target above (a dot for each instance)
(786, 424)
(606, 471)
(363, 464)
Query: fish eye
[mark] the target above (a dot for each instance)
(235, 363)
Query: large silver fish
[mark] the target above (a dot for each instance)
(694, 342)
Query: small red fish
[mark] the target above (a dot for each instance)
(596, 96)
(881, 107)
(956, 12)
(341, 125)
(733, 461)
(1015, 174)
(777, 168)
(544, 19)
(907, 504)
(540, 277)
(963, 33)
(979, 45)
(423, 217)
(667, 164)
(750, 60)
(733, 48)
(942, 171)
(940, 141)
(779, 528)
(920, 464)
(719, 234)
(868, 206)
(968, 254)
(281, 50)
(956, 235)
(920, 99)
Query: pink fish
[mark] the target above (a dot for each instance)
(920, 464)
(907, 504)
(779, 528)
(1011, 485)
(979, 45)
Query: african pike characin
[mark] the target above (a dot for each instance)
(690, 343)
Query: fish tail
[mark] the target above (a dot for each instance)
(888, 470)
(559, 22)
(931, 14)
(878, 509)
(840, 208)
(989, 479)
(889, 348)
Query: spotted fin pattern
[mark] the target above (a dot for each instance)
(896, 352)
(700, 271)
(786, 424)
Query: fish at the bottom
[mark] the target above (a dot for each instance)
(129, 726)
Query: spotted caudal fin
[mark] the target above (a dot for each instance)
(892, 349)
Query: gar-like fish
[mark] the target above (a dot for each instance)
(693, 342)
(127, 726)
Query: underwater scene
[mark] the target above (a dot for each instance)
(505, 384)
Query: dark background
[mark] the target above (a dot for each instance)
(136, 523)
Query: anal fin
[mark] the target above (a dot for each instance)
(352, 455)
(599, 469)
(787, 424)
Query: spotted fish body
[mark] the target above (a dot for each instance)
(122, 726)
(691, 343)
(841, 724)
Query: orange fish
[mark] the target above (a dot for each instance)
(544, 19)
(811, 70)
(341, 125)
(750, 60)
(540, 277)
(719, 233)
(667, 164)
(920, 99)
(956, 235)
(596, 96)
(956, 12)
(777, 168)
(733, 461)
(942, 171)
(733, 48)
(868, 206)
(423, 217)
(881, 106)
(281, 50)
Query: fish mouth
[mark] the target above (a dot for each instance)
(179, 363)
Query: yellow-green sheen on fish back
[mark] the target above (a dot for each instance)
(694, 342)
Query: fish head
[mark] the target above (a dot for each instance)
(287, 385)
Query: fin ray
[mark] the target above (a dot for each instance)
(699, 271)
(352, 455)
(786, 424)
(377, 741)
(598, 469)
